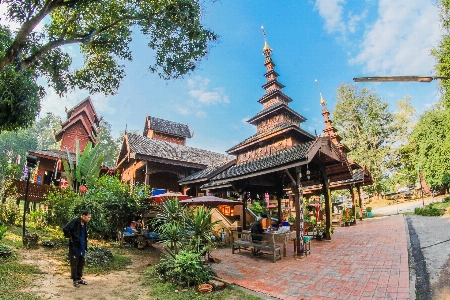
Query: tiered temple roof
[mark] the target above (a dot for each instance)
(166, 130)
(150, 149)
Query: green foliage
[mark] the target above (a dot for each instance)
(368, 209)
(38, 218)
(370, 130)
(9, 212)
(185, 267)
(103, 30)
(108, 146)
(98, 256)
(446, 200)
(20, 94)
(117, 263)
(113, 205)
(87, 168)
(61, 204)
(429, 144)
(429, 211)
(257, 208)
(3, 229)
(161, 289)
(14, 276)
(200, 227)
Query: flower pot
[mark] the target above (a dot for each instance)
(319, 236)
(369, 214)
(205, 288)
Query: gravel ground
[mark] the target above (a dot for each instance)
(430, 256)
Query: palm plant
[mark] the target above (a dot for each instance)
(200, 225)
(87, 167)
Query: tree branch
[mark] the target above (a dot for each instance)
(77, 39)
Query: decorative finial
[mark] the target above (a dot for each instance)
(322, 101)
(267, 51)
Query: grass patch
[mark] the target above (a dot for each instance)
(13, 277)
(441, 205)
(169, 291)
(119, 262)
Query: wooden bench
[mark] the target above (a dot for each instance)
(243, 240)
(336, 219)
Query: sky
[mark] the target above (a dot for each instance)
(332, 41)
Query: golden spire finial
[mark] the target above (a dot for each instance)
(322, 101)
(267, 51)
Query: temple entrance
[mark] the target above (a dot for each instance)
(164, 180)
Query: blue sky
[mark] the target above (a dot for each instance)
(332, 41)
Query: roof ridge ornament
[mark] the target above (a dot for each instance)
(267, 51)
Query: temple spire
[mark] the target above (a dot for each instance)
(267, 51)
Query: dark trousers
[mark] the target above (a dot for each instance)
(76, 265)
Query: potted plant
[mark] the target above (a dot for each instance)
(320, 232)
(369, 212)
(346, 221)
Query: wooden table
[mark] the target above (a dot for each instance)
(282, 238)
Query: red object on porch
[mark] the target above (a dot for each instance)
(162, 197)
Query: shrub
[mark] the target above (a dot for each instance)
(10, 213)
(446, 199)
(98, 256)
(368, 209)
(429, 211)
(183, 268)
(257, 208)
(3, 230)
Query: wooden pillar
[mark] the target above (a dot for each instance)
(279, 210)
(326, 192)
(353, 204)
(147, 175)
(296, 187)
(358, 189)
(244, 211)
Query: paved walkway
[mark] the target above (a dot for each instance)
(366, 261)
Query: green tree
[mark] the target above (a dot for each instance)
(19, 93)
(367, 127)
(108, 146)
(430, 143)
(39, 137)
(103, 30)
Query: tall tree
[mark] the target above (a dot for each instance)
(19, 93)
(39, 137)
(367, 128)
(430, 144)
(103, 31)
(401, 162)
(108, 146)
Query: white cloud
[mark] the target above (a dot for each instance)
(331, 12)
(199, 91)
(52, 102)
(182, 110)
(400, 40)
(244, 120)
(200, 114)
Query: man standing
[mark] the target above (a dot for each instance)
(76, 231)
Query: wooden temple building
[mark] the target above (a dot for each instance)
(282, 156)
(82, 123)
(160, 158)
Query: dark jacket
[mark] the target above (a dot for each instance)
(256, 228)
(73, 230)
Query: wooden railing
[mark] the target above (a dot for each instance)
(36, 192)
